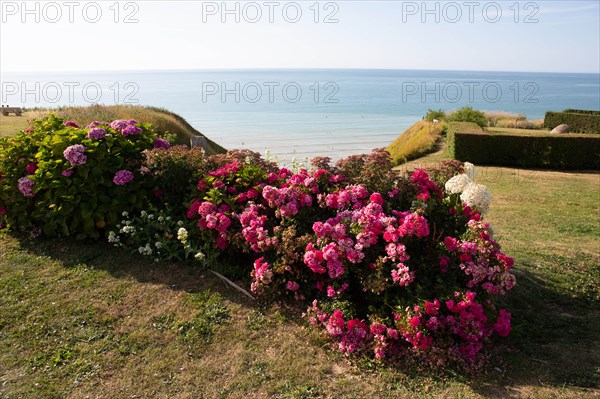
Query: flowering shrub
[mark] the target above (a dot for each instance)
(412, 270)
(67, 180)
(174, 171)
(154, 232)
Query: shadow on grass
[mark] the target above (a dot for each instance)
(120, 263)
(554, 341)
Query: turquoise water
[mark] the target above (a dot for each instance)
(305, 113)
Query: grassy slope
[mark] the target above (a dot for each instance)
(81, 319)
(162, 120)
(420, 139)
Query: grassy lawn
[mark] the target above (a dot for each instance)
(11, 124)
(80, 319)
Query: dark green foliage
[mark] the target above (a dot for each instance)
(581, 111)
(175, 171)
(545, 151)
(580, 122)
(459, 127)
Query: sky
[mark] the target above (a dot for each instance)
(531, 36)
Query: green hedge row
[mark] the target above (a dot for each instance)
(459, 127)
(556, 152)
(581, 123)
(581, 111)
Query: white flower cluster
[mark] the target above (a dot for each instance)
(458, 183)
(127, 229)
(199, 256)
(471, 193)
(477, 195)
(182, 235)
(147, 250)
(113, 237)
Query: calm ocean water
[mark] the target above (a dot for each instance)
(304, 113)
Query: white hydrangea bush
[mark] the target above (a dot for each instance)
(478, 196)
(471, 193)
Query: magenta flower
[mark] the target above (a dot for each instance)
(67, 173)
(131, 130)
(97, 133)
(95, 124)
(71, 124)
(122, 177)
(31, 168)
(26, 186)
(160, 143)
(292, 286)
(75, 154)
(502, 325)
(119, 124)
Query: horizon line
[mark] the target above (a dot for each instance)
(293, 69)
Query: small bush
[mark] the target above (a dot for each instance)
(588, 122)
(468, 114)
(59, 179)
(435, 114)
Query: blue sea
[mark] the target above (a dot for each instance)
(308, 112)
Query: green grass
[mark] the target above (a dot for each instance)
(162, 120)
(11, 124)
(421, 138)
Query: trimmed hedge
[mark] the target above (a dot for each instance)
(555, 152)
(581, 111)
(460, 127)
(588, 122)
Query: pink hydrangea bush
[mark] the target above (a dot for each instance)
(410, 271)
(63, 180)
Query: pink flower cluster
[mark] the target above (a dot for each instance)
(71, 124)
(480, 258)
(160, 143)
(426, 186)
(75, 154)
(31, 168)
(26, 186)
(351, 334)
(253, 229)
(227, 170)
(96, 124)
(120, 124)
(211, 217)
(96, 133)
(131, 130)
(420, 327)
(352, 196)
(122, 177)
(262, 275)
